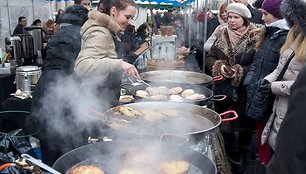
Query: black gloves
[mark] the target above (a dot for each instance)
(264, 86)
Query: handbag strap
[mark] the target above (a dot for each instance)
(281, 74)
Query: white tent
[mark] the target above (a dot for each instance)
(11, 10)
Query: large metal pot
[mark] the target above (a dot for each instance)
(112, 156)
(176, 76)
(27, 78)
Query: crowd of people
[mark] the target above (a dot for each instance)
(257, 51)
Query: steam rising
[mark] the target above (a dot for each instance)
(65, 106)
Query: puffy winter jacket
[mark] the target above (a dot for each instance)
(264, 62)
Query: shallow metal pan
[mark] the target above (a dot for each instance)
(176, 76)
(109, 156)
(199, 89)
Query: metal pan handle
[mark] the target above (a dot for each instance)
(218, 78)
(218, 98)
(39, 164)
(229, 112)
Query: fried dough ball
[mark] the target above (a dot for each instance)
(175, 167)
(86, 169)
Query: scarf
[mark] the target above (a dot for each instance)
(236, 35)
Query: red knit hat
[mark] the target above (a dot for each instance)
(273, 7)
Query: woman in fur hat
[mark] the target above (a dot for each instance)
(265, 60)
(232, 41)
(294, 12)
(99, 62)
(290, 152)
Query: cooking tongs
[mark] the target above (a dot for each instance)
(138, 82)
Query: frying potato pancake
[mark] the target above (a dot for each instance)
(175, 90)
(127, 111)
(151, 115)
(169, 112)
(133, 171)
(187, 92)
(119, 123)
(137, 157)
(152, 90)
(175, 167)
(142, 93)
(126, 98)
(86, 169)
(159, 97)
(157, 90)
(176, 98)
(196, 96)
(163, 90)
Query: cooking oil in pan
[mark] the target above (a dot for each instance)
(113, 164)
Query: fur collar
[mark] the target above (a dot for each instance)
(248, 40)
(105, 21)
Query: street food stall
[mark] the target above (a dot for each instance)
(182, 129)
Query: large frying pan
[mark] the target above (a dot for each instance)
(191, 119)
(111, 156)
(176, 76)
(199, 89)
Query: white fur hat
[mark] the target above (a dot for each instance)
(239, 9)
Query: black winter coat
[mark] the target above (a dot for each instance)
(52, 112)
(256, 15)
(290, 152)
(48, 105)
(129, 46)
(18, 29)
(264, 62)
(63, 49)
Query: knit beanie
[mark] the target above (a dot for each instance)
(273, 7)
(295, 10)
(239, 9)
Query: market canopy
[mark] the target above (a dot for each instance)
(174, 3)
